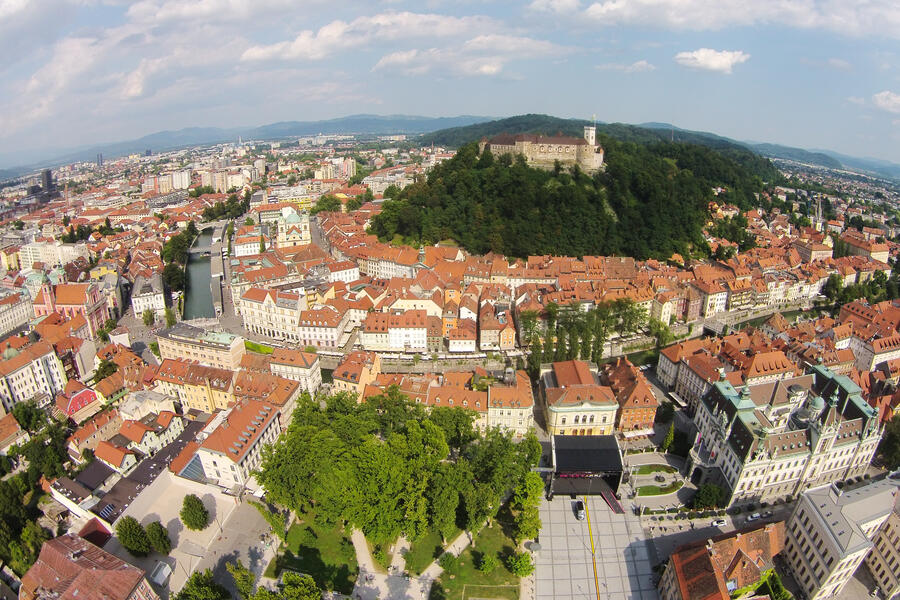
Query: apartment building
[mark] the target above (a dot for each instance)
(51, 253)
(148, 293)
(831, 531)
(355, 371)
(510, 404)
(152, 432)
(574, 401)
(299, 366)
(217, 349)
(272, 313)
(15, 310)
(772, 441)
(637, 402)
(100, 428)
(31, 371)
(196, 386)
(884, 559)
(322, 326)
(395, 331)
(234, 440)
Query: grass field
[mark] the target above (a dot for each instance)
(423, 551)
(464, 581)
(260, 348)
(648, 469)
(323, 552)
(655, 490)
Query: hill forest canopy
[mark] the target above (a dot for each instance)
(650, 201)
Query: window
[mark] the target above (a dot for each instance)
(563, 422)
(576, 419)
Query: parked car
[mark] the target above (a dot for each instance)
(754, 517)
(718, 523)
(580, 513)
(767, 514)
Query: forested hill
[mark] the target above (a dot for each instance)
(651, 201)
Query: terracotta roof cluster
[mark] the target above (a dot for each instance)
(71, 568)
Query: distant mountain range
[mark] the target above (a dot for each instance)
(651, 132)
(453, 132)
(193, 136)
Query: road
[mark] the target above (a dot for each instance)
(666, 533)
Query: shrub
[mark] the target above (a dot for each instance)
(159, 538)
(132, 536)
(520, 564)
(193, 514)
(488, 563)
(447, 561)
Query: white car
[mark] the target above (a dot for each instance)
(718, 523)
(753, 517)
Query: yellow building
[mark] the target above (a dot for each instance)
(197, 387)
(574, 401)
(355, 372)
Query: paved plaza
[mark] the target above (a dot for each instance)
(565, 562)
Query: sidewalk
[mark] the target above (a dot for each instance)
(372, 585)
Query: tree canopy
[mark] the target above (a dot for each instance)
(650, 201)
(386, 467)
(193, 514)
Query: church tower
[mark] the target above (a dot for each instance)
(590, 134)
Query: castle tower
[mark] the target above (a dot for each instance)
(590, 134)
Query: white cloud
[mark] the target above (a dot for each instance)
(204, 11)
(639, 66)
(721, 61)
(340, 35)
(840, 64)
(856, 100)
(853, 17)
(888, 101)
(555, 6)
(483, 55)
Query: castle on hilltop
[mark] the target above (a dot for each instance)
(543, 151)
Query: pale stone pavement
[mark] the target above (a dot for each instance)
(372, 585)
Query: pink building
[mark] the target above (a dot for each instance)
(71, 299)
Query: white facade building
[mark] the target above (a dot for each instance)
(830, 532)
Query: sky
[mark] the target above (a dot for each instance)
(807, 73)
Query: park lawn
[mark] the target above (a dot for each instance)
(424, 551)
(381, 554)
(260, 348)
(648, 469)
(655, 490)
(325, 553)
(465, 581)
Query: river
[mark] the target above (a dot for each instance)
(198, 301)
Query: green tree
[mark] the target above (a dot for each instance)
(173, 277)
(132, 536)
(488, 564)
(670, 437)
(276, 520)
(708, 496)
(193, 514)
(28, 416)
(889, 447)
(170, 317)
(326, 203)
(201, 585)
(244, 579)
(105, 369)
(149, 317)
(159, 538)
(520, 564)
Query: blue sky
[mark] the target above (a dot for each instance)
(808, 73)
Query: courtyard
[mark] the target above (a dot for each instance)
(604, 556)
